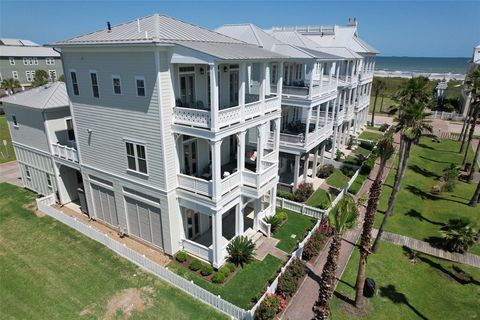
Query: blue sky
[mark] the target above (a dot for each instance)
(399, 28)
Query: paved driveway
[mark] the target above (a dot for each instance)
(9, 173)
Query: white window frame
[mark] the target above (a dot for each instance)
(35, 61)
(12, 61)
(116, 76)
(74, 83)
(30, 74)
(90, 72)
(1, 78)
(28, 174)
(14, 121)
(54, 73)
(73, 128)
(25, 61)
(136, 143)
(144, 86)
(50, 61)
(49, 181)
(15, 75)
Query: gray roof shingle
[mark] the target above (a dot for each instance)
(50, 96)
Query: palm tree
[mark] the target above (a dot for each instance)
(378, 86)
(472, 86)
(10, 84)
(476, 196)
(473, 167)
(458, 235)
(412, 123)
(341, 218)
(385, 150)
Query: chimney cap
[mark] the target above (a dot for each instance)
(109, 26)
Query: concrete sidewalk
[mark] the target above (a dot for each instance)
(10, 173)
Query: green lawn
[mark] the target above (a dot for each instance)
(409, 290)
(337, 179)
(369, 127)
(7, 154)
(50, 271)
(370, 135)
(387, 104)
(417, 212)
(297, 225)
(319, 199)
(246, 284)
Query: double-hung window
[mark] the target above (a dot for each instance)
(50, 61)
(117, 85)
(15, 75)
(12, 61)
(52, 74)
(73, 77)
(140, 84)
(136, 157)
(70, 130)
(30, 75)
(49, 181)
(94, 81)
(27, 173)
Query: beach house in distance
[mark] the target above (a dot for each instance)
(20, 59)
(473, 64)
(173, 132)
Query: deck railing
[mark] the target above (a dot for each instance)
(197, 249)
(195, 185)
(65, 152)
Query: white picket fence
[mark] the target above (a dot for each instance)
(447, 115)
(44, 205)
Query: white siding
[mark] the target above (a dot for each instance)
(57, 126)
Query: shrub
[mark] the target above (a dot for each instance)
(206, 270)
(459, 235)
(297, 268)
(181, 256)
(195, 265)
(350, 143)
(450, 175)
(339, 155)
(268, 309)
(316, 241)
(231, 266)
(286, 195)
(325, 171)
(240, 250)
(225, 270)
(383, 127)
(287, 285)
(303, 192)
(348, 171)
(218, 277)
(367, 145)
(274, 222)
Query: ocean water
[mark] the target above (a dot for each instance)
(422, 65)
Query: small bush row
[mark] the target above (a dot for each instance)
(206, 269)
(325, 171)
(270, 306)
(288, 281)
(276, 220)
(317, 241)
(285, 195)
(303, 192)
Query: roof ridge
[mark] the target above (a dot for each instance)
(256, 35)
(56, 84)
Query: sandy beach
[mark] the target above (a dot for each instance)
(406, 74)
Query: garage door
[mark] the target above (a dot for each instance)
(144, 221)
(104, 203)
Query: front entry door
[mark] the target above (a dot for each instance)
(190, 154)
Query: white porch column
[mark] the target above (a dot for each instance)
(216, 169)
(337, 72)
(334, 143)
(296, 170)
(267, 79)
(276, 138)
(262, 82)
(280, 78)
(241, 92)
(217, 239)
(306, 162)
(352, 69)
(307, 129)
(241, 150)
(326, 113)
(260, 145)
(315, 162)
(214, 96)
(257, 208)
(321, 76)
(239, 218)
(331, 72)
(317, 124)
(347, 70)
(310, 85)
(322, 153)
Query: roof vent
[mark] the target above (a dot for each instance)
(109, 27)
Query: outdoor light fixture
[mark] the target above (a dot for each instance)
(202, 71)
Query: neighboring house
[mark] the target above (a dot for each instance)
(177, 132)
(466, 98)
(19, 59)
(309, 101)
(44, 141)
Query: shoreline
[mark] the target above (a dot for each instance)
(409, 74)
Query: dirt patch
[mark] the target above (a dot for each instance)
(349, 309)
(88, 310)
(32, 207)
(128, 301)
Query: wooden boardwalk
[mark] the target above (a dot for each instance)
(425, 247)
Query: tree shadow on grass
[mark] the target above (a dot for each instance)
(428, 196)
(460, 276)
(344, 298)
(436, 242)
(433, 160)
(424, 146)
(391, 293)
(424, 172)
(415, 214)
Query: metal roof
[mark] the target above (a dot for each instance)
(252, 34)
(27, 51)
(17, 42)
(49, 96)
(231, 51)
(150, 29)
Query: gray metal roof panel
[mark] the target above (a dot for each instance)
(231, 51)
(27, 51)
(53, 95)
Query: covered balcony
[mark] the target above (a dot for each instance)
(215, 168)
(308, 80)
(220, 95)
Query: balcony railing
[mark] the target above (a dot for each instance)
(202, 118)
(197, 249)
(313, 137)
(304, 91)
(258, 180)
(195, 185)
(65, 152)
(231, 182)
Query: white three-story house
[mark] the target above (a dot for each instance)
(177, 130)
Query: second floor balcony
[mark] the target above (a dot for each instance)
(217, 96)
(65, 152)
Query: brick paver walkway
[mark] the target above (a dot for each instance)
(300, 307)
(425, 247)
